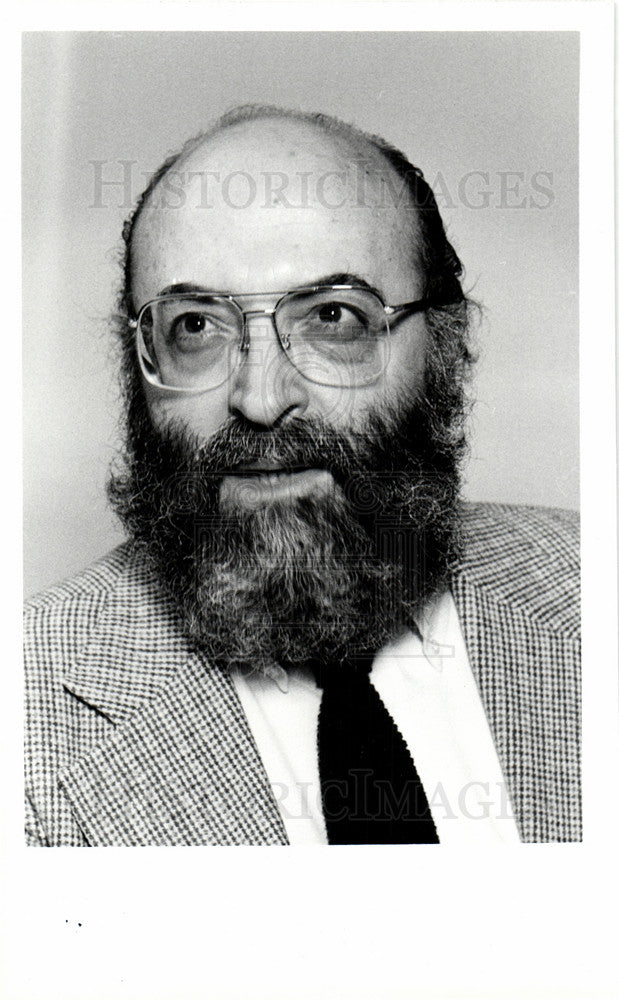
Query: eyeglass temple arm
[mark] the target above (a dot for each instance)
(416, 306)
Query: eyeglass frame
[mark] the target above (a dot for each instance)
(412, 308)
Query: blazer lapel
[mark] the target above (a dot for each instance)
(527, 673)
(180, 766)
(501, 694)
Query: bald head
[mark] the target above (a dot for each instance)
(261, 172)
(276, 203)
(271, 139)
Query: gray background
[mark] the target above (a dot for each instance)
(456, 103)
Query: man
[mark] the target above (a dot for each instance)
(308, 638)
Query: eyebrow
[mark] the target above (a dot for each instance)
(339, 278)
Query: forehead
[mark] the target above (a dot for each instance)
(274, 204)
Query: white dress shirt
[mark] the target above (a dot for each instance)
(428, 688)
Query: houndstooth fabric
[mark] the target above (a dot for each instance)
(518, 599)
(134, 739)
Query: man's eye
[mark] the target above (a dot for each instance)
(198, 327)
(197, 331)
(335, 312)
(192, 323)
(336, 319)
(330, 313)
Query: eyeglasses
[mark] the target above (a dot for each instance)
(334, 335)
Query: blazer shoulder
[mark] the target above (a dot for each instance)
(113, 615)
(76, 602)
(527, 557)
(97, 579)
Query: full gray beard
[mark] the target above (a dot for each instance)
(305, 580)
(300, 580)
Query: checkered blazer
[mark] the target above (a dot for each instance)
(133, 739)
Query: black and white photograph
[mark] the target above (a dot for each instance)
(305, 447)
(316, 630)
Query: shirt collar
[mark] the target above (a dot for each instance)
(432, 621)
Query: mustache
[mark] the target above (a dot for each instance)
(300, 443)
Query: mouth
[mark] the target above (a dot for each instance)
(261, 483)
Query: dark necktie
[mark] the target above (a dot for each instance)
(371, 792)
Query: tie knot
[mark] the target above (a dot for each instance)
(343, 673)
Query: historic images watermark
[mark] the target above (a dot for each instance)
(117, 184)
(475, 800)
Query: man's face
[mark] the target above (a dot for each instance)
(337, 554)
(326, 222)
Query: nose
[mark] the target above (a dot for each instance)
(266, 388)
